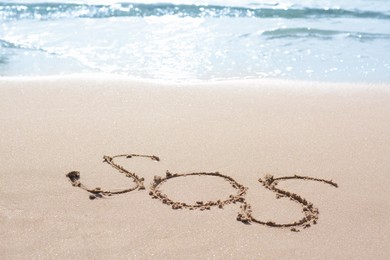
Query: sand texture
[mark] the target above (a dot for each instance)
(122, 169)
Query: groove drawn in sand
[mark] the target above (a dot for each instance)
(310, 212)
(74, 177)
(155, 192)
(245, 215)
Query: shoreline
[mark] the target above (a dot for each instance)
(206, 82)
(245, 130)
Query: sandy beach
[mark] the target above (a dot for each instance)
(245, 130)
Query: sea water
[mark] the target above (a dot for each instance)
(321, 40)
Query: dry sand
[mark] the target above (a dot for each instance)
(243, 130)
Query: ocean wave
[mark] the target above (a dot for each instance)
(7, 44)
(305, 32)
(4, 44)
(10, 45)
(47, 11)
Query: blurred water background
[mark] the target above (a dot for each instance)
(322, 40)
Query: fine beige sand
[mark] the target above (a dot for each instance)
(244, 130)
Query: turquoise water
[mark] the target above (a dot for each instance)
(345, 41)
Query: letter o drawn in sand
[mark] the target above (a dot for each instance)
(155, 192)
